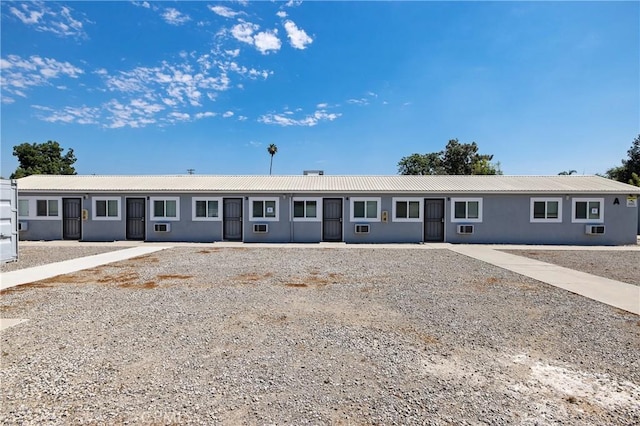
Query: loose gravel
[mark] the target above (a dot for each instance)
(313, 336)
(616, 265)
(30, 256)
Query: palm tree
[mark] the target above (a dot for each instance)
(567, 173)
(272, 149)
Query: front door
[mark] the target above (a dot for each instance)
(434, 219)
(135, 218)
(232, 219)
(332, 219)
(71, 218)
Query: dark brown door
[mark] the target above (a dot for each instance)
(135, 218)
(332, 219)
(434, 219)
(232, 219)
(71, 218)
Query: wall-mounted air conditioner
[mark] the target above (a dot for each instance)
(23, 226)
(162, 227)
(594, 229)
(260, 228)
(465, 229)
(362, 229)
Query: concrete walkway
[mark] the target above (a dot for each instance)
(615, 293)
(37, 273)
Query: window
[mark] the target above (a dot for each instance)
(167, 208)
(307, 209)
(106, 208)
(41, 208)
(547, 210)
(46, 208)
(23, 208)
(264, 208)
(588, 210)
(365, 209)
(205, 208)
(466, 210)
(407, 209)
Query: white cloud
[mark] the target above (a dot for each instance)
(225, 11)
(322, 105)
(233, 53)
(80, 115)
(244, 31)
(242, 118)
(138, 113)
(19, 74)
(228, 114)
(298, 38)
(206, 114)
(293, 3)
(281, 14)
(144, 4)
(51, 18)
(361, 101)
(180, 116)
(175, 17)
(266, 41)
(284, 119)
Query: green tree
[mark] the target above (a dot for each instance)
(567, 173)
(43, 159)
(629, 167)
(272, 149)
(456, 159)
(421, 164)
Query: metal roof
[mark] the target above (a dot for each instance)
(324, 184)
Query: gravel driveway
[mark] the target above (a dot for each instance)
(313, 336)
(617, 265)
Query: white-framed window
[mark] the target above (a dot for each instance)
(547, 210)
(307, 209)
(466, 209)
(407, 209)
(165, 208)
(264, 209)
(365, 209)
(40, 208)
(106, 208)
(206, 208)
(589, 210)
(23, 207)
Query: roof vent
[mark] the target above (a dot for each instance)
(313, 172)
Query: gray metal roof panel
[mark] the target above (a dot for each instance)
(325, 183)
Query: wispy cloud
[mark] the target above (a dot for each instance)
(50, 17)
(175, 17)
(228, 114)
(281, 14)
(298, 38)
(19, 74)
(80, 115)
(224, 11)
(286, 118)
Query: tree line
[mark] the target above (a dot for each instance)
(455, 159)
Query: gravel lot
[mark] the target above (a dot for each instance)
(619, 265)
(30, 256)
(313, 336)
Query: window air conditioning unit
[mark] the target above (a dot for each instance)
(23, 226)
(362, 229)
(594, 229)
(162, 227)
(465, 229)
(260, 228)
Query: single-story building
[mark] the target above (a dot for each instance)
(584, 210)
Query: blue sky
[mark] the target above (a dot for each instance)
(346, 87)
